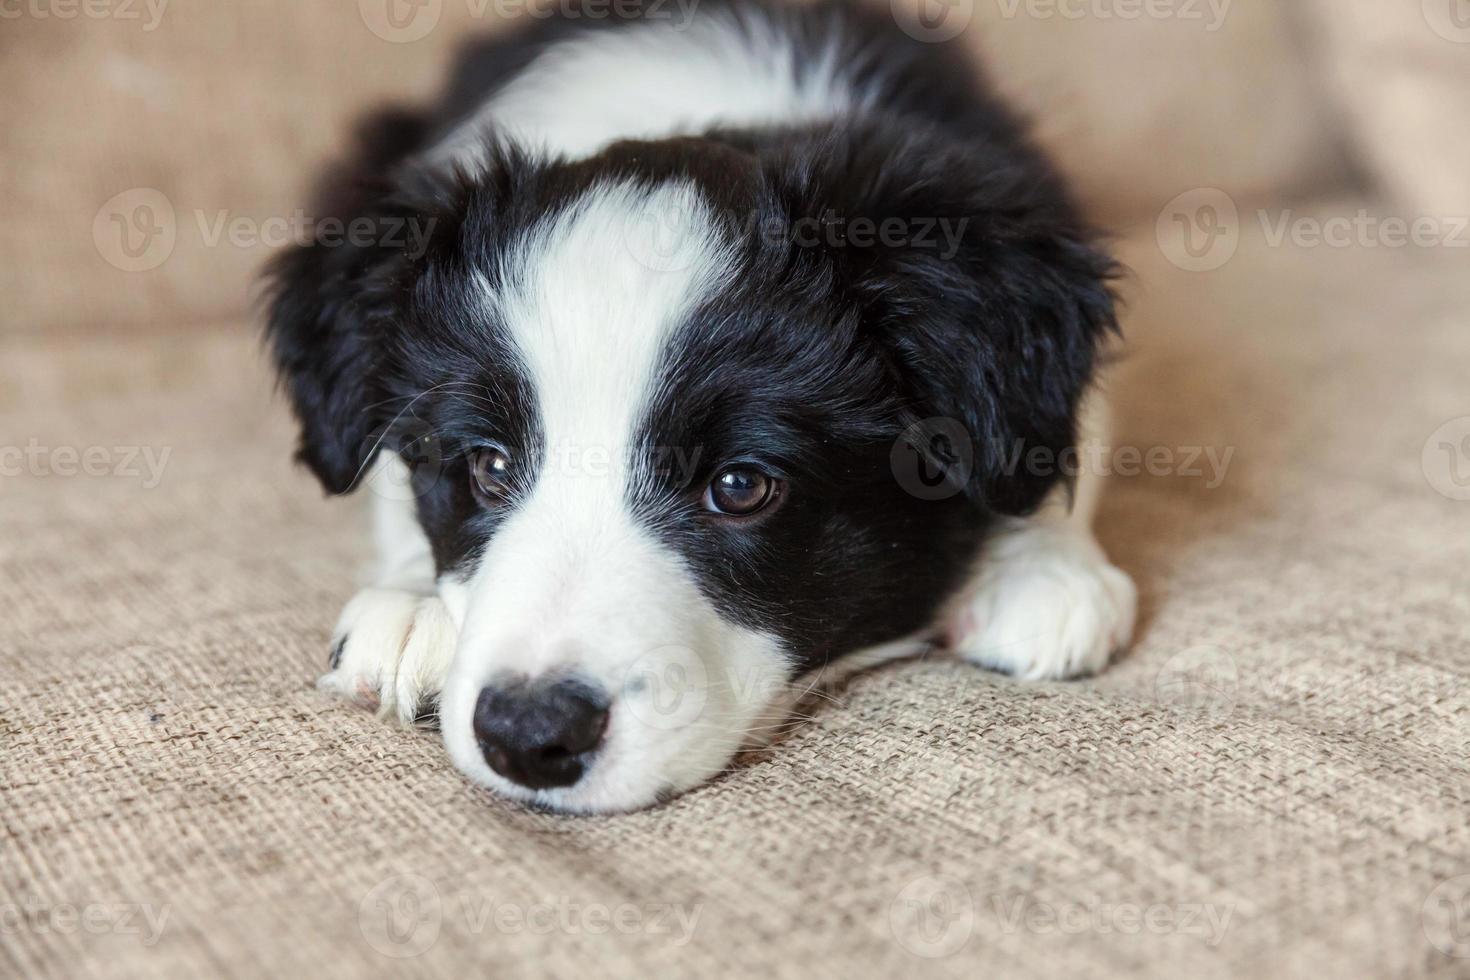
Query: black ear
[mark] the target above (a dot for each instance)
(332, 300)
(988, 296)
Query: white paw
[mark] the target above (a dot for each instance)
(391, 651)
(1046, 605)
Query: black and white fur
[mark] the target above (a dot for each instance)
(535, 319)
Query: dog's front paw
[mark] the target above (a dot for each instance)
(1046, 605)
(391, 651)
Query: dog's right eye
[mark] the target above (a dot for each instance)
(490, 475)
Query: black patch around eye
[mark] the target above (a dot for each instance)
(466, 388)
(848, 559)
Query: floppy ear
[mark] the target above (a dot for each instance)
(332, 300)
(990, 305)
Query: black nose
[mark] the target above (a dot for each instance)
(540, 733)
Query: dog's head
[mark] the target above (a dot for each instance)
(690, 419)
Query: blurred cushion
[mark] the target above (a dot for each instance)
(144, 156)
(154, 160)
(1400, 73)
(1141, 100)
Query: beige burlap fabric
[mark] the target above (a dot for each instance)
(1273, 783)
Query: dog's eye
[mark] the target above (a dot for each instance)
(490, 475)
(740, 492)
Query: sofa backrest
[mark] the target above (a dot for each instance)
(155, 152)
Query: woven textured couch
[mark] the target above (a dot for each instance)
(1273, 782)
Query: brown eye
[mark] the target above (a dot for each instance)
(490, 475)
(740, 492)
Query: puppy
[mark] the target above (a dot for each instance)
(684, 361)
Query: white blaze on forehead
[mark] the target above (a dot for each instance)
(658, 79)
(591, 300)
(572, 582)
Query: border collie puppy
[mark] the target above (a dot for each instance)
(684, 361)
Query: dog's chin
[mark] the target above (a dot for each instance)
(636, 768)
(599, 792)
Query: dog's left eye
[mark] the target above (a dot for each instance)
(490, 475)
(740, 491)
